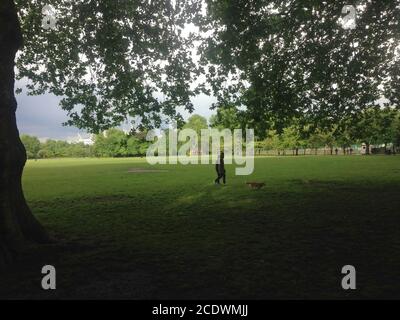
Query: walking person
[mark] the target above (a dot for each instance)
(220, 168)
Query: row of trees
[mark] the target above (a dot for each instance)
(54, 148)
(116, 143)
(372, 127)
(111, 143)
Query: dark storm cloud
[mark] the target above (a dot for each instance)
(41, 116)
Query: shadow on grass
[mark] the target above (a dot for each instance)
(276, 242)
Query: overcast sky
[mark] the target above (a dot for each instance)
(42, 117)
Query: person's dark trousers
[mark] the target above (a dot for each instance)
(218, 176)
(221, 175)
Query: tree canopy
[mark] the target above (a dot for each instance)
(197, 123)
(110, 60)
(281, 59)
(113, 60)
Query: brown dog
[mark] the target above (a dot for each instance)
(255, 185)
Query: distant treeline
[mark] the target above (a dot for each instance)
(112, 143)
(373, 127)
(54, 148)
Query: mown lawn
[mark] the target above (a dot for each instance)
(174, 234)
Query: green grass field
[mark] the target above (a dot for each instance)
(174, 234)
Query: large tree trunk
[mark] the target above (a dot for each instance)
(18, 226)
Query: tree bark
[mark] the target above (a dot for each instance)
(18, 226)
